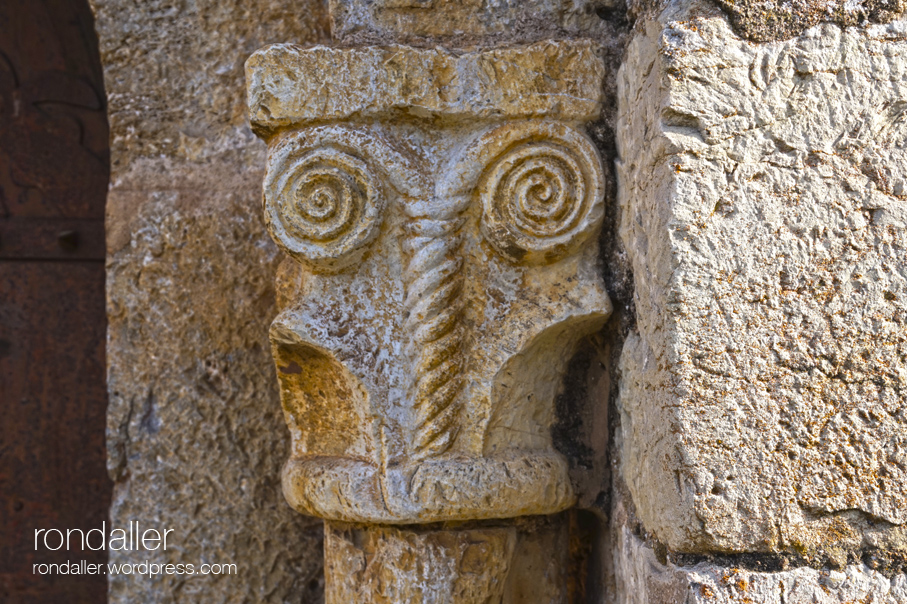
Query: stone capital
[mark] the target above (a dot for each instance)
(440, 213)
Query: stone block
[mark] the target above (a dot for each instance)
(195, 438)
(643, 579)
(289, 85)
(464, 22)
(763, 193)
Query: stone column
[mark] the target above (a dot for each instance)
(440, 214)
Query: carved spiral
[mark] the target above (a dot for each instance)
(434, 308)
(321, 206)
(541, 198)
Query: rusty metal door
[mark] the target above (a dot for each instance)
(54, 169)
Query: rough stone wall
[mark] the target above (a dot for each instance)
(644, 579)
(763, 407)
(759, 438)
(195, 434)
(469, 22)
(765, 20)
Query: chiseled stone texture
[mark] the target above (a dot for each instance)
(764, 20)
(466, 22)
(446, 267)
(763, 192)
(516, 562)
(642, 579)
(195, 435)
(545, 78)
(768, 20)
(174, 70)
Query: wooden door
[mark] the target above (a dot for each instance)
(54, 169)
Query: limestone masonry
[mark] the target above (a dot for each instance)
(562, 300)
(762, 197)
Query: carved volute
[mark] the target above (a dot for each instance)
(440, 213)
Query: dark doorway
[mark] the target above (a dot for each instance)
(54, 169)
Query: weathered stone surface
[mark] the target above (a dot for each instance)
(776, 20)
(764, 20)
(446, 274)
(522, 562)
(642, 579)
(195, 437)
(764, 399)
(289, 85)
(172, 69)
(444, 267)
(465, 22)
(194, 431)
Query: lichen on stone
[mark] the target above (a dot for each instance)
(767, 20)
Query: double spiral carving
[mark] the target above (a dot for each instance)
(321, 206)
(542, 198)
(434, 308)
